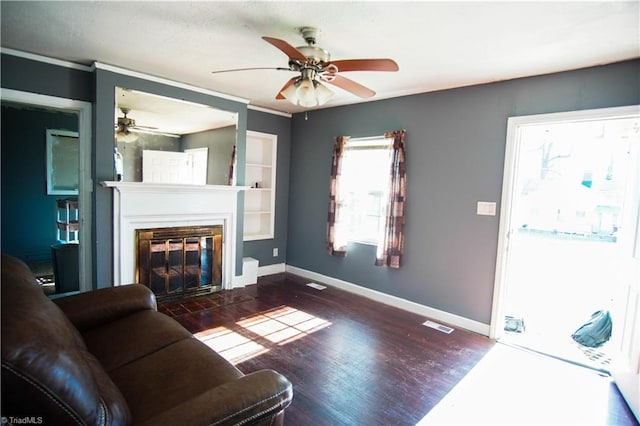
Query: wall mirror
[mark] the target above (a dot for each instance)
(166, 140)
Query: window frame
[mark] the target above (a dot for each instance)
(368, 144)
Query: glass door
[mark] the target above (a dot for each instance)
(570, 187)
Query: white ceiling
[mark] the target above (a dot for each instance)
(437, 45)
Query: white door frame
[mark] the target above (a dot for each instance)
(514, 125)
(85, 184)
(626, 369)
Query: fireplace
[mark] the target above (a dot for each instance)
(181, 261)
(145, 206)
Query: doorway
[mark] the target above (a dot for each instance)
(81, 110)
(568, 226)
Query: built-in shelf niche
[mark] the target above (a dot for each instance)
(260, 176)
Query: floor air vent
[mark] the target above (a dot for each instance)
(438, 327)
(316, 286)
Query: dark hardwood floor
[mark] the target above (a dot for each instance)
(353, 361)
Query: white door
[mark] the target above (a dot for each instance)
(166, 167)
(568, 239)
(199, 162)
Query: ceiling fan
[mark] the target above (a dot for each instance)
(126, 128)
(315, 67)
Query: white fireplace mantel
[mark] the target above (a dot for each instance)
(138, 205)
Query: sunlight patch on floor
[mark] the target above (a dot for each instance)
(492, 393)
(255, 334)
(232, 346)
(283, 325)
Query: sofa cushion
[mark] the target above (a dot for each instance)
(186, 369)
(46, 368)
(150, 330)
(98, 307)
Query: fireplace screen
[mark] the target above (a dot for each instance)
(180, 261)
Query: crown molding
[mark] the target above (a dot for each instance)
(136, 74)
(143, 76)
(269, 111)
(45, 59)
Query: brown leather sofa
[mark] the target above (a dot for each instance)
(108, 357)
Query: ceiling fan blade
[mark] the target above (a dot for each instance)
(286, 85)
(143, 127)
(351, 86)
(366, 65)
(285, 47)
(252, 69)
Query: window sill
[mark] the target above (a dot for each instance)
(363, 242)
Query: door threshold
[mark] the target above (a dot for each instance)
(600, 371)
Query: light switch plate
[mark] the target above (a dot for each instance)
(486, 208)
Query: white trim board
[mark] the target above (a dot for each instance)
(397, 302)
(268, 111)
(276, 268)
(161, 80)
(45, 59)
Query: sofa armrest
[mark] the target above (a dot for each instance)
(251, 399)
(94, 308)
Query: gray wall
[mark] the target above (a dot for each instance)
(281, 126)
(46, 79)
(132, 152)
(220, 144)
(455, 157)
(28, 227)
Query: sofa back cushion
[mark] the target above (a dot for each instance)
(47, 371)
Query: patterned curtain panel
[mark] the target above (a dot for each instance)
(391, 246)
(336, 243)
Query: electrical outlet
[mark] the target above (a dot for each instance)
(275, 252)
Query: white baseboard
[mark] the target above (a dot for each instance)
(271, 269)
(387, 299)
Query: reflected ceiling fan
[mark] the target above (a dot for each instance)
(315, 67)
(126, 128)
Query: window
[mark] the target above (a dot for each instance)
(62, 162)
(364, 186)
(367, 196)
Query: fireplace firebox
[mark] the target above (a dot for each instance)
(181, 261)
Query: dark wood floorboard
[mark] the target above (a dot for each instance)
(352, 361)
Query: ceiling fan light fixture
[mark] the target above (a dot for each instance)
(290, 93)
(122, 124)
(323, 94)
(306, 93)
(126, 136)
